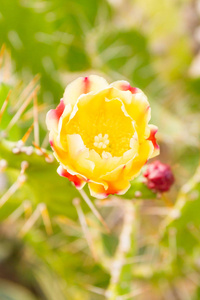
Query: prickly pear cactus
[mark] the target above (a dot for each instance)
(39, 203)
(60, 235)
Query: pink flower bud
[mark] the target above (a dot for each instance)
(159, 177)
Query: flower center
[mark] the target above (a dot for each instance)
(101, 141)
(102, 125)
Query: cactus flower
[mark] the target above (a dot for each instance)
(100, 134)
(159, 177)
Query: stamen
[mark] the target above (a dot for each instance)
(106, 155)
(101, 141)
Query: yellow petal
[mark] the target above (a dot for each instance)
(145, 151)
(138, 108)
(153, 130)
(78, 181)
(65, 160)
(124, 85)
(53, 116)
(102, 135)
(97, 114)
(119, 170)
(118, 187)
(78, 154)
(83, 85)
(103, 164)
(65, 116)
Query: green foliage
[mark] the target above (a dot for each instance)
(14, 292)
(153, 247)
(43, 183)
(183, 223)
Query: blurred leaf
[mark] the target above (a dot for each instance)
(183, 223)
(139, 190)
(43, 183)
(126, 52)
(11, 291)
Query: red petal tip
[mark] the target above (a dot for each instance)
(75, 179)
(86, 82)
(128, 87)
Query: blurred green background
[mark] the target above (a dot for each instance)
(155, 45)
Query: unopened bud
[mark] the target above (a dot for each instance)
(158, 176)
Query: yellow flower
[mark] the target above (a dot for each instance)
(100, 134)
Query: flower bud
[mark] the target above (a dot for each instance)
(158, 176)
